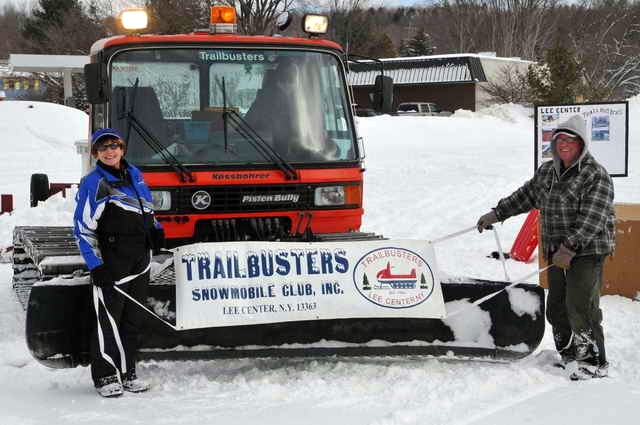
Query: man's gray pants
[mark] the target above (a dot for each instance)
(573, 306)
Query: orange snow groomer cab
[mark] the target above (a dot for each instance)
(239, 137)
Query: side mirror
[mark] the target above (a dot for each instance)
(383, 94)
(283, 20)
(96, 82)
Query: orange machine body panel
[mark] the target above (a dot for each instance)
(181, 222)
(181, 225)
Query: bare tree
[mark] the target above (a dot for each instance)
(610, 54)
(508, 27)
(11, 20)
(625, 77)
(258, 16)
(349, 25)
(462, 16)
(177, 16)
(509, 85)
(519, 27)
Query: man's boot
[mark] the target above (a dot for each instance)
(566, 348)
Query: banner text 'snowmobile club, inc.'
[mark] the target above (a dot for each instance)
(248, 283)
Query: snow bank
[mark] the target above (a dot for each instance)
(55, 211)
(426, 177)
(38, 137)
(507, 112)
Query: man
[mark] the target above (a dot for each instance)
(115, 229)
(574, 194)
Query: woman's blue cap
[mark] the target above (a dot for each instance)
(104, 132)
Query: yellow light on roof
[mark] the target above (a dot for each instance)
(315, 24)
(134, 19)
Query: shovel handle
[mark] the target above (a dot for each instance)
(452, 235)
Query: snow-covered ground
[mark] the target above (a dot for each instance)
(426, 177)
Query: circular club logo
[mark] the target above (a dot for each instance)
(201, 200)
(393, 278)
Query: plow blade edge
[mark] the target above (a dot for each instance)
(508, 326)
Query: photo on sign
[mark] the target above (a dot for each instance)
(549, 121)
(600, 126)
(547, 135)
(546, 150)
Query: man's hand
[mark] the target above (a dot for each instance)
(562, 257)
(485, 222)
(101, 276)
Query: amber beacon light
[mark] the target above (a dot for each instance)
(223, 19)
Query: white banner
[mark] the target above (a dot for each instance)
(245, 283)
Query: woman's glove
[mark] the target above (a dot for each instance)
(562, 257)
(101, 276)
(485, 222)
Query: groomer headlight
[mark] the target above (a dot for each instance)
(161, 200)
(134, 19)
(329, 196)
(315, 24)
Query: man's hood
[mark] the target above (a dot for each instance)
(575, 125)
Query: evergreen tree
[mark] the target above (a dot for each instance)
(420, 44)
(423, 281)
(557, 79)
(177, 16)
(47, 14)
(383, 47)
(365, 283)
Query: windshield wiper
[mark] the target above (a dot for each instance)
(242, 127)
(152, 141)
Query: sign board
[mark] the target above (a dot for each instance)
(247, 283)
(607, 127)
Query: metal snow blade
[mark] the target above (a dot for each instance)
(485, 319)
(59, 318)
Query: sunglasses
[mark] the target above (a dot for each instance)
(113, 146)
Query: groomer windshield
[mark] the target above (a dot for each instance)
(293, 101)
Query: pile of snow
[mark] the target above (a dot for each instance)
(508, 112)
(55, 211)
(39, 137)
(426, 177)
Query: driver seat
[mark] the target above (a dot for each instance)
(147, 111)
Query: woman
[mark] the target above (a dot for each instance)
(115, 229)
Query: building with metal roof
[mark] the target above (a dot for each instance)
(452, 81)
(19, 85)
(64, 64)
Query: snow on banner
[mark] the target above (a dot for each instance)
(242, 283)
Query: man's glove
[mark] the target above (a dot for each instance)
(157, 240)
(485, 222)
(101, 276)
(562, 257)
